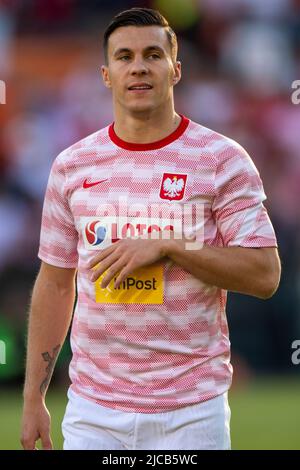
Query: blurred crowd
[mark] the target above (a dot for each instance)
(239, 59)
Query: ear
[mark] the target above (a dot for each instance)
(105, 76)
(177, 72)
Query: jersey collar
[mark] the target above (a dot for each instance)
(152, 145)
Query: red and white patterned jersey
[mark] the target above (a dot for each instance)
(160, 341)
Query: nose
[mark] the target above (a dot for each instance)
(138, 66)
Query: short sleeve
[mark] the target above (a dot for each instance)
(240, 215)
(58, 238)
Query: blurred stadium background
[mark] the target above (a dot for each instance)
(239, 60)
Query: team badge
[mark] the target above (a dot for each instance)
(173, 186)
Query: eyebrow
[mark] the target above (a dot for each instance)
(147, 49)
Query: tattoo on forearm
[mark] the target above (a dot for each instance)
(49, 369)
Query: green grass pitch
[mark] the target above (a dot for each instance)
(265, 415)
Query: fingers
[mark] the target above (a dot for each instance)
(46, 440)
(114, 269)
(109, 261)
(101, 256)
(28, 442)
(123, 275)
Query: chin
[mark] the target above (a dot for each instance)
(141, 108)
(141, 105)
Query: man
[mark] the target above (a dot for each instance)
(151, 354)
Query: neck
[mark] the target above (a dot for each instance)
(144, 128)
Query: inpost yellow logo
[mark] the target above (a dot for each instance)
(144, 286)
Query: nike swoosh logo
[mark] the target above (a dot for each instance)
(87, 185)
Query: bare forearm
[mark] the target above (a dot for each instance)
(49, 320)
(237, 269)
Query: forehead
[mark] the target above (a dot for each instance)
(138, 38)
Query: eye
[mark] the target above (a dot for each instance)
(156, 56)
(124, 57)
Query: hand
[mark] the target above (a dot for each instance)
(36, 422)
(125, 256)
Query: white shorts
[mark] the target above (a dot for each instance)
(90, 426)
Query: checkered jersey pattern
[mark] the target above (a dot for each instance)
(152, 357)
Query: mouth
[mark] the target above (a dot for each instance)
(140, 87)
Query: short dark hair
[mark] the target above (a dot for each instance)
(140, 17)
